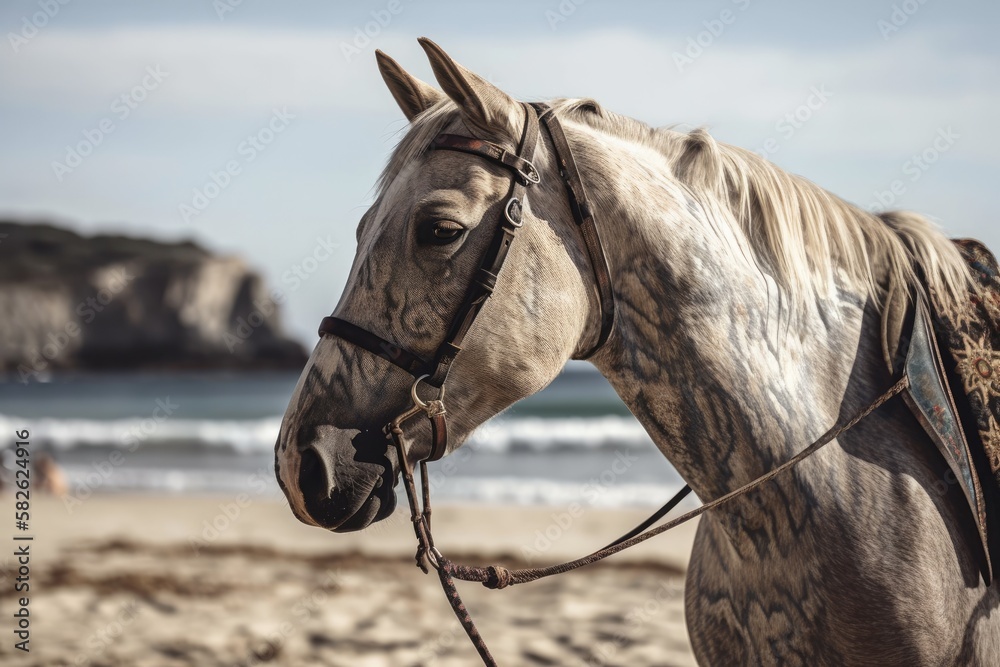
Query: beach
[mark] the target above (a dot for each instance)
(164, 580)
(175, 546)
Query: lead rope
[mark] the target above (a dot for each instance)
(427, 552)
(497, 576)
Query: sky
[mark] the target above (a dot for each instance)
(259, 128)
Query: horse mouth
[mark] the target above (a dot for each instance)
(379, 505)
(349, 507)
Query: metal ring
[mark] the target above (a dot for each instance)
(413, 392)
(423, 405)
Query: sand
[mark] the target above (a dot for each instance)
(167, 580)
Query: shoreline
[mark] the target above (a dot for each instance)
(552, 533)
(144, 580)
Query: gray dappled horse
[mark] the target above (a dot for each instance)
(748, 319)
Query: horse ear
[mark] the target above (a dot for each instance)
(411, 94)
(486, 109)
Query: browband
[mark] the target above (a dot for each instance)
(523, 169)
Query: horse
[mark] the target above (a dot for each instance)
(748, 320)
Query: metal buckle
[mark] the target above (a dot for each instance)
(430, 408)
(529, 175)
(513, 212)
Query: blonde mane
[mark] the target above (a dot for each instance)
(801, 233)
(804, 236)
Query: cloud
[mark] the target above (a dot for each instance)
(888, 100)
(885, 95)
(210, 69)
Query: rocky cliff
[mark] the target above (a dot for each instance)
(114, 302)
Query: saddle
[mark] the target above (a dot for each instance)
(952, 355)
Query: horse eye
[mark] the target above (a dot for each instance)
(440, 232)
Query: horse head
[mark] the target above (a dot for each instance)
(419, 245)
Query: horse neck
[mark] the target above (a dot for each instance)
(707, 355)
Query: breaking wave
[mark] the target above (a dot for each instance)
(258, 435)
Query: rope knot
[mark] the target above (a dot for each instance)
(497, 577)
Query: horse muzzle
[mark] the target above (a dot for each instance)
(343, 483)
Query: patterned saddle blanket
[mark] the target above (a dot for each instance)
(953, 362)
(970, 335)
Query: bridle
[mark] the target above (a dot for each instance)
(434, 371)
(523, 175)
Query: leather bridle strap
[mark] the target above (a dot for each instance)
(409, 362)
(524, 174)
(583, 215)
(522, 168)
(496, 576)
(485, 278)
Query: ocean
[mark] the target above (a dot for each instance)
(214, 433)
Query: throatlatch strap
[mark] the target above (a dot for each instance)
(583, 214)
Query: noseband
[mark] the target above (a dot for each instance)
(435, 370)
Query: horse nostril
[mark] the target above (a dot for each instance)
(367, 496)
(315, 488)
(312, 473)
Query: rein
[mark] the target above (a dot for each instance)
(497, 576)
(435, 370)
